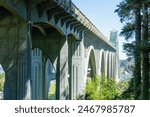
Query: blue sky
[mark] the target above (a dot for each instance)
(101, 13)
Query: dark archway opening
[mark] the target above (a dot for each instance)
(4, 13)
(91, 71)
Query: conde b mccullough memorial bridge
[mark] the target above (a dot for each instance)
(42, 40)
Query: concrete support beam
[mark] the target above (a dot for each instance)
(62, 71)
(81, 85)
(109, 64)
(17, 66)
(44, 93)
(36, 74)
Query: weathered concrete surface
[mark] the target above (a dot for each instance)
(32, 33)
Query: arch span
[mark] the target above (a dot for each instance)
(43, 25)
(90, 64)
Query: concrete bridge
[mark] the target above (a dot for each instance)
(42, 40)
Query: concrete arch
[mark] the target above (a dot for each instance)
(41, 25)
(48, 39)
(71, 34)
(90, 63)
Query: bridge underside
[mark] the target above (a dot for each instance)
(41, 42)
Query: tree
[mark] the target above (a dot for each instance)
(136, 23)
(129, 12)
(137, 52)
(145, 54)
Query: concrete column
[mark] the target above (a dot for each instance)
(107, 61)
(108, 66)
(113, 69)
(17, 65)
(111, 64)
(37, 74)
(77, 74)
(116, 63)
(110, 74)
(76, 67)
(81, 85)
(44, 96)
(105, 64)
(114, 66)
(100, 63)
(62, 91)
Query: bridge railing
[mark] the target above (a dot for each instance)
(70, 6)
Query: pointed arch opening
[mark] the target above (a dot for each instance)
(48, 38)
(50, 81)
(91, 69)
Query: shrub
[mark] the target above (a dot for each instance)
(108, 89)
(128, 92)
(104, 89)
(92, 89)
(2, 82)
(52, 89)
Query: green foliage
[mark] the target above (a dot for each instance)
(51, 93)
(107, 89)
(128, 30)
(2, 82)
(91, 90)
(128, 93)
(134, 14)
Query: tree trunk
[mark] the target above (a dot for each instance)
(137, 55)
(145, 57)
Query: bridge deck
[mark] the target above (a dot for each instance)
(72, 8)
(19, 7)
